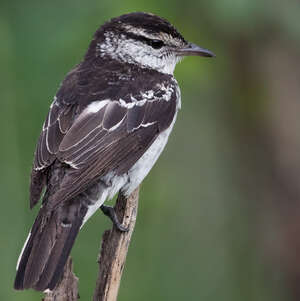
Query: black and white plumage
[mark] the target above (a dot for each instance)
(107, 125)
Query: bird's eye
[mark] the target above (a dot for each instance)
(156, 44)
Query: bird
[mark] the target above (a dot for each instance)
(106, 127)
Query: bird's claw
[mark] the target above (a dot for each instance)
(111, 213)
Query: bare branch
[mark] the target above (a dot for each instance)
(114, 249)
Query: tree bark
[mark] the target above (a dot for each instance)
(67, 288)
(114, 249)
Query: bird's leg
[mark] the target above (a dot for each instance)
(110, 212)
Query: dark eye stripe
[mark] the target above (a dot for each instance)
(156, 44)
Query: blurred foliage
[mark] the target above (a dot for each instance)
(196, 233)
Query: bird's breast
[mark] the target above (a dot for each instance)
(142, 167)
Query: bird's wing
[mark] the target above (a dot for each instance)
(61, 115)
(58, 122)
(110, 136)
(56, 125)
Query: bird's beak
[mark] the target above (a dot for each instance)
(193, 49)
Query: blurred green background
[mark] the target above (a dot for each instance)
(219, 215)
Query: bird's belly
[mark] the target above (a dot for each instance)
(141, 168)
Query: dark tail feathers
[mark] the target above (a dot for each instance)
(47, 248)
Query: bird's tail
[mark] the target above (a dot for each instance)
(48, 246)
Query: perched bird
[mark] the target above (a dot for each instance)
(106, 127)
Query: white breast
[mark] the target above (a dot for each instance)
(142, 167)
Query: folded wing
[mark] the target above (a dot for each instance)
(107, 136)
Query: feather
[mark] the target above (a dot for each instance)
(37, 183)
(46, 252)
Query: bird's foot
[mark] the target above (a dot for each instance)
(111, 213)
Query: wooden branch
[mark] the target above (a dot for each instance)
(67, 288)
(114, 249)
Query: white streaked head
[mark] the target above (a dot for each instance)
(145, 40)
(135, 51)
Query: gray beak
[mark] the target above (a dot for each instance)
(193, 49)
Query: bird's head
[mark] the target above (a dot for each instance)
(145, 40)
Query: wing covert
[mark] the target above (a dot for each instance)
(57, 123)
